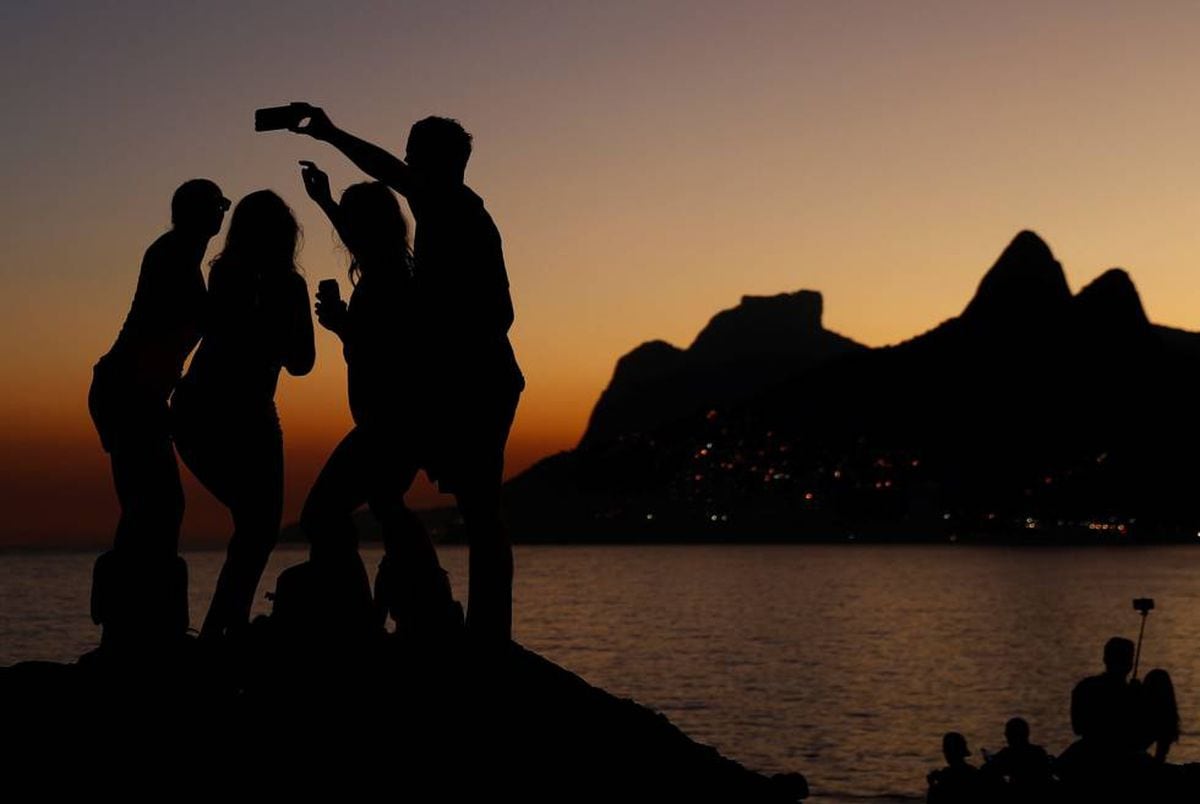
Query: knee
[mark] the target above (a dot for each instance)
(248, 554)
(254, 535)
(258, 511)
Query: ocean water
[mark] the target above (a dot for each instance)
(846, 663)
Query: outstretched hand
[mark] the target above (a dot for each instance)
(312, 121)
(316, 182)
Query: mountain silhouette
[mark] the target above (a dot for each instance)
(1035, 413)
(1026, 285)
(740, 353)
(1110, 303)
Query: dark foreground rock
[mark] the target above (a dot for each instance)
(441, 723)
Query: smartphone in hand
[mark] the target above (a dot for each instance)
(328, 291)
(277, 118)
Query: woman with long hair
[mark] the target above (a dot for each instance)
(378, 459)
(1160, 714)
(224, 420)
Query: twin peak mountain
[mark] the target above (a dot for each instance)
(1034, 409)
(747, 350)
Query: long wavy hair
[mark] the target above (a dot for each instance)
(263, 235)
(374, 230)
(1159, 695)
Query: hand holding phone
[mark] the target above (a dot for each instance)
(298, 117)
(330, 309)
(316, 184)
(328, 291)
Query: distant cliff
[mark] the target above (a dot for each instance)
(740, 353)
(1035, 413)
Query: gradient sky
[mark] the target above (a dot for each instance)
(647, 165)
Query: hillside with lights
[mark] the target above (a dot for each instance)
(1037, 414)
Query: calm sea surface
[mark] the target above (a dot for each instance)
(844, 663)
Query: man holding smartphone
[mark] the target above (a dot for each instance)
(472, 374)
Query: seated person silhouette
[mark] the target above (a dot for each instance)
(1104, 709)
(958, 782)
(1024, 768)
(1103, 706)
(139, 588)
(1154, 779)
(1158, 715)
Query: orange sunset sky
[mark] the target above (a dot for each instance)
(647, 164)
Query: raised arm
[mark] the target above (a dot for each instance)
(316, 184)
(331, 313)
(370, 158)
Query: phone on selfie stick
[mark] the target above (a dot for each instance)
(1143, 606)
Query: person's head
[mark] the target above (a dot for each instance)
(438, 150)
(198, 207)
(1016, 732)
(1118, 656)
(954, 747)
(1159, 695)
(373, 228)
(263, 234)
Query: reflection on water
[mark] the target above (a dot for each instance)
(846, 663)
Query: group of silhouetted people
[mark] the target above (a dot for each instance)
(1125, 730)
(1021, 771)
(433, 385)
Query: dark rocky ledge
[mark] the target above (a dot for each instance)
(447, 722)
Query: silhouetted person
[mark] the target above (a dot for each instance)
(1158, 729)
(378, 460)
(958, 782)
(1103, 707)
(139, 588)
(1024, 767)
(223, 413)
(1158, 715)
(471, 370)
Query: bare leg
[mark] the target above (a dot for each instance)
(339, 490)
(254, 537)
(489, 605)
(139, 589)
(239, 458)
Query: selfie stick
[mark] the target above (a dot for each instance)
(1137, 654)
